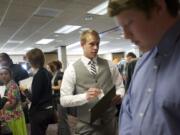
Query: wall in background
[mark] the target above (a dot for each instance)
(17, 58)
(50, 57)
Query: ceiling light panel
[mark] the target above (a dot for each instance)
(29, 48)
(47, 12)
(100, 9)
(44, 41)
(67, 29)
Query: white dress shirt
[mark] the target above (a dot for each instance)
(69, 80)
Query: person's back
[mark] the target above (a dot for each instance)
(41, 87)
(41, 109)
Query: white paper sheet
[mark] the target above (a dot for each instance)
(2, 90)
(26, 82)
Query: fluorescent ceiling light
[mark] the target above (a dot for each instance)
(100, 9)
(27, 49)
(14, 42)
(103, 42)
(67, 29)
(44, 41)
(73, 45)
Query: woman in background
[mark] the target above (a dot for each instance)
(54, 68)
(41, 111)
(12, 112)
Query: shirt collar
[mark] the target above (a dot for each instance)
(169, 40)
(86, 60)
(34, 70)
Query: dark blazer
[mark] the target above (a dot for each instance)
(41, 91)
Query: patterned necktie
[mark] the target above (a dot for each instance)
(92, 68)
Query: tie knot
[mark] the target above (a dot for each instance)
(91, 62)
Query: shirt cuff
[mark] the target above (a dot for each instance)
(83, 98)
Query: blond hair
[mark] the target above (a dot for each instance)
(84, 34)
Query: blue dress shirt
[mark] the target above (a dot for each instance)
(152, 104)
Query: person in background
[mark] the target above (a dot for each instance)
(85, 82)
(129, 72)
(123, 67)
(130, 57)
(12, 112)
(152, 103)
(41, 110)
(18, 74)
(57, 77)
(55, 68)
(3, 100)
(131, 60)
(116, 60)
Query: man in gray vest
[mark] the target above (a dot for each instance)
(85, 82)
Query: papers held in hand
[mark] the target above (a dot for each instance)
(102, 105)
(2, 90)
(26, 82)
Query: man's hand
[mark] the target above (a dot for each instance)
(92, 93)
(116, 100)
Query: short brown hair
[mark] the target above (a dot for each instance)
(83, 36)
(131, 54)
(35, 58)
(52, 66)
(117, 6)
(57, 64)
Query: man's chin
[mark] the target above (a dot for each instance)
(94, 54)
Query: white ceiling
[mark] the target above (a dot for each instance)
(21, 25)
